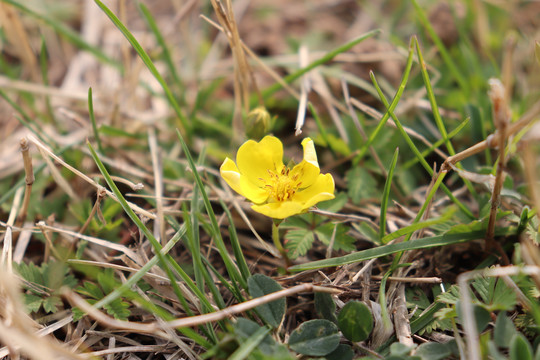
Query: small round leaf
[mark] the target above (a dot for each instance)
(315, 338)
(355, 321)
(273, 312)
(342, 352)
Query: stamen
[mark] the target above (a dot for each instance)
(281, 186)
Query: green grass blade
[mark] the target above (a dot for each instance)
(66, 32)
(416, 151)
(122, 201)
(392, 106)
(436, 113)
(93, 120)
(237, 249)
(442, 49)
(136, 277)
(385, 250)
(416, 226)
(161, 41)
(386, 195)
(329, 56)
(322, 130)
(218, 239)
(44, 65)
(249, 344)
(148, 62)
(436, 144)
(427, 202)
(432, 100)
(27, 121)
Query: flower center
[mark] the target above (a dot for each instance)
(281, 186)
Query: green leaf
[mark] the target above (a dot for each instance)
(335, 204)
(325, 306)
(342, 352)
(315, 338)
(386, 195)
(298, 242)
(118, 309)
(495, 293)
(244, 328)
(247, 346)
(520, 348)
(32, 302)
(493, 351)
(451, 296)
(273, 312)
(355, 321)
(434, 241)
(433, 351)
(482, 317)
(91, 290)
(400, 350)
(51, 303)
(342, 241)
(504, 330)
(361, 184)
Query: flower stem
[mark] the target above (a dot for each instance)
(277, 242)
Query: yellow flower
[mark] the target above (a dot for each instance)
(276, 190)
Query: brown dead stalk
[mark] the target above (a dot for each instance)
(160, 327)
(501, 113)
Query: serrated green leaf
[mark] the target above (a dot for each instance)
(446, 313)
(361, 184)
(273, 312)
(325, 306)
(355, 321)
(342, 241)
(51, 303)
(118, 309)
(298, 242)
(32, 302)
(495, 294)
(91, 290)
(315, 338)
(107, 281)
(449, 297)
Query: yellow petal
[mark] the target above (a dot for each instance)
(229, 172)
(254, 159)
(279, 210)
(322, 189)
(308, 170)
(252, 192)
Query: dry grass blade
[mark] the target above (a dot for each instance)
(107, 244)
(243, 76)
(156, 327)
(48, 152)
(20, 332)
